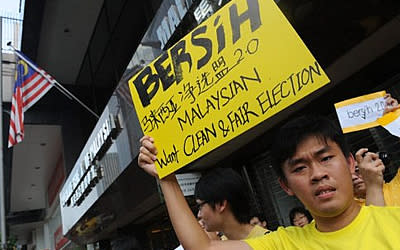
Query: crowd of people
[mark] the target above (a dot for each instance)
(347, 204)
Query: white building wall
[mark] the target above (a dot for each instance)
(8, 74)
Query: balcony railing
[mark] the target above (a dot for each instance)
(11, 30)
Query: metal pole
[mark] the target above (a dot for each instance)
(54, 82)
(2, 212)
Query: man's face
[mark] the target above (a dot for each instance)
(210, 217)
(358, 185)
(300, 220)
(255, 221)
(319, 175)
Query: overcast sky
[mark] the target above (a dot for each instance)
(9, 5)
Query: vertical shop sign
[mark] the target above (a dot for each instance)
(59, 239)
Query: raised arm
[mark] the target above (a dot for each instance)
(391, 104)
(371, 169)
(186, 227)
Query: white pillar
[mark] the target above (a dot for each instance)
(46, 235)
(2, 207)
(39, 238)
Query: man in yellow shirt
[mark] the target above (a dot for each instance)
(391, 191)
(313, 163)
(368, 178)
(369, 186)
(368, 183)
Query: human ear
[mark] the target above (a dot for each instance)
(285, 187)
(352, 163)
(221, 206)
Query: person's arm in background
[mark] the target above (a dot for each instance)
(186, 227)
(391, 191)
(391, 105)
(371, 169)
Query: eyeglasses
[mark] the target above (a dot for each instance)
(200, 205)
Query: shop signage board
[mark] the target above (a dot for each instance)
(187, 182)
(88, 172)
(241, 66)
(85, 183)
(168, 17)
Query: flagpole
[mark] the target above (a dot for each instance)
(33, 66)
(2, 200)
(54, 82)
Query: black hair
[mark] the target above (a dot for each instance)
(260, 217)
(299, 210)
(225, 184)
(297, 130)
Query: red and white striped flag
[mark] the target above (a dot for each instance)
(31, 83)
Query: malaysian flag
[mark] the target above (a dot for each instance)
(31, 84)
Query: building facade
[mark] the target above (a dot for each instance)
(106, 201)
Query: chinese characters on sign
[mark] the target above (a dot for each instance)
(237, 69)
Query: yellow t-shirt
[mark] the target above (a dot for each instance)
(257, 231)
(391, 191)
(373, 228)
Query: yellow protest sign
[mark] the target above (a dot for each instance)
(240, 67)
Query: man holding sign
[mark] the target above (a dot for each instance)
(242, 66)
(313, 163)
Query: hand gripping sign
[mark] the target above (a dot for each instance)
(237, 69)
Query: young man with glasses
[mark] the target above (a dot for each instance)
(224, 205)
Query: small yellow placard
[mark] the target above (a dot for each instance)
(361, 112)
(240, 67)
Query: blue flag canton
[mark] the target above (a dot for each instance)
(23, 73)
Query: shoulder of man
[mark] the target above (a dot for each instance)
(385, 210)
(295, 237)
(257, 231)
(395, 180)
(272, 240)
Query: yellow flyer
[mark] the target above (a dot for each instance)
(361, 112)
(237, 69)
